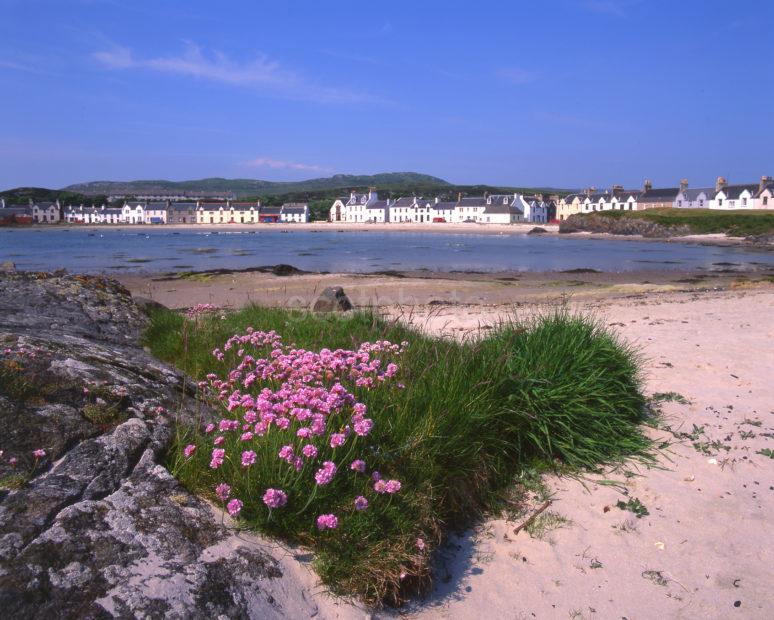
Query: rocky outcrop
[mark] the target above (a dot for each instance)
(97, 527)
(332, 299)
(596, 223)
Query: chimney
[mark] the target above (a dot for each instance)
(683, 184)
(764, 182)
(647, 185)
(617, 188)
(459, 196)
(720, 184)
(590, 190)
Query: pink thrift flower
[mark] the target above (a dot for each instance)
(364, 426)
(246, 436)
(286, 453)
(218, 455)
(380, 486)
(234, 507)
(309, 451)
(13, 460)
(358, 466)
(327, 522)
(376, 476)
(219, 440)
(325, 474)
(209, 429)
(39, 453)
(303, 432)
(248, 458)
(361, 503)
(223, 491)
(274, 498)
(189, 450)
(420, 544)
(337, 439)
(298, 463)
(392, 486)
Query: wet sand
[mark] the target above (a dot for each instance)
(704, 550)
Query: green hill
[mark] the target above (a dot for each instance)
(256, 187)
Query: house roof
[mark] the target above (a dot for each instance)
(378, 204)
(271, 210)
(443, 206)
(734, 191)
(660, 194)
(405, 201)
(693, 193)
(156, 206)
(472, 201)
(182, 206)
(295, 208)
(497, 208)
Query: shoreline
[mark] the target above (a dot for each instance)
(552, 230)
(422, 290)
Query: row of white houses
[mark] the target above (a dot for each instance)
(487, 209)
(229, 212)
(722, 196)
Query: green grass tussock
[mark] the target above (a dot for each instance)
(558, 391)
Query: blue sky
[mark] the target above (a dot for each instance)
(563, 92)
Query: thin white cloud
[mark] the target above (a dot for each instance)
(514, 75)
(260, 72)
(278, 164)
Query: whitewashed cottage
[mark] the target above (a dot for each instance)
(297, 212)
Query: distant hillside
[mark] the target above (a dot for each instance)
(256, 187)
(22, 195)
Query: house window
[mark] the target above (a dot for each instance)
(765, 200)
(720, 202)
(679, 203)
(744, 202)
(701, 202)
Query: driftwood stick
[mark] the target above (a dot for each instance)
(534, 516)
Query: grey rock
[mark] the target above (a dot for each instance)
(7, 265)
(148, 305)
(332, 299)
(99, 528)
(537, 230)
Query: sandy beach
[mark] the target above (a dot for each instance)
(703, 550)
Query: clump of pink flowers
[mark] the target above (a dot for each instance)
(199, 310)
(306, 403)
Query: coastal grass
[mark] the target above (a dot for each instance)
(555, 393)
(706, 221)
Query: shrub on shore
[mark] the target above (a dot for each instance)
(673, 222)
(455, 423)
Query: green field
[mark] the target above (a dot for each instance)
(705, 221)
(469, 426)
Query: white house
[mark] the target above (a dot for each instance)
(536, 212)
(45, 212)
(765, 196)
(410, 209)
(156, 213)
(442, 211)
(133, 213)
(694, 198)
(729, 197)
(294, 212)
(470, 209)
(354, 209)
